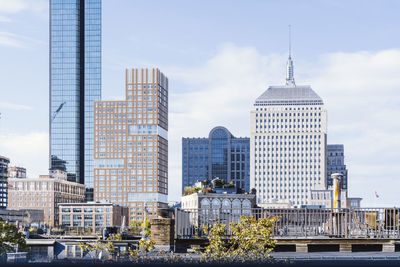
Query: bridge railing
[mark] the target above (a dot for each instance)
(297, 223)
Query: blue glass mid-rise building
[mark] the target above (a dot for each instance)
(75, 83)
(335, 163)
(220, 155)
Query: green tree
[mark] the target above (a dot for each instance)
(249, 240)
(10, 237)
(100, 246)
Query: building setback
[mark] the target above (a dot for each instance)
(131, 145)
(44, 193)
(335, 164)
(220, 155)
(3, 181)
(287, 143)
(75, 83)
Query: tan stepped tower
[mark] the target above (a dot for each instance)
(131, 145)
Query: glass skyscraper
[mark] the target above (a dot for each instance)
(75, 83)
(220, 155)
(335, 164)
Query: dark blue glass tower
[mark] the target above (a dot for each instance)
(220, 155)
(75, 83)
(335, 164)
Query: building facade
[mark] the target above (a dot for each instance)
(213, 201)
(220, 155)
(335, 164)
(131, 145)
(92, 215)
(4, 181)
(75, 83)
(16, 172)
(287, 143)
(22, 217)
(44, 193)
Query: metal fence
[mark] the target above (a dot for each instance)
(297, 223)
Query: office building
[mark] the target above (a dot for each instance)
(220, 155)
(44, 193)
(92, 216)
(335, 164)
(3, 181)
(287, 143)
(131, 145)
(75, 83)
(16, 172)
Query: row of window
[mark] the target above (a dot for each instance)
(288, 114)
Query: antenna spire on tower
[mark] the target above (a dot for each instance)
(290, 41)
(289, 64)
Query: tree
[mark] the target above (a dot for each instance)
(100, 246)
(10, 237)
(250, 240)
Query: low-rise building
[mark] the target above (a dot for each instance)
(21, 217)
(354, 202)
(234, 202)
(324, 198)
(92, 215)
(216, 194)
(202, 208)
(44, 193)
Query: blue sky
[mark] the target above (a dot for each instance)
(219, 56)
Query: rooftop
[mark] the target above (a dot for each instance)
(289, 94)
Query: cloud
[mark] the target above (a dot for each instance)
(15, 6)
(17, 41)
(360, 90)
(11, 106)
(27, 150)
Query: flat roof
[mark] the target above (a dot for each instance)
(90, 204)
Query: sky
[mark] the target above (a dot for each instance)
(219, 57)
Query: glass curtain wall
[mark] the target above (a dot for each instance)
(75, 83)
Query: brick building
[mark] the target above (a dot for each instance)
(131, 145)
(44, 193)
(92, 215)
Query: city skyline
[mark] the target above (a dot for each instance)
(358, 63)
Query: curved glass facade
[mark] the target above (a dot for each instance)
(220, 155)
(219, 139)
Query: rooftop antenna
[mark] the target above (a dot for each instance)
(290, 40)
(289, 64)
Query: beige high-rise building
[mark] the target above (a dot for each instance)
(131, 145)
(288, 143)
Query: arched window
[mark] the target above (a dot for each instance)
(216, 203)
(236, 206)
(246, 207)
(220, 142)
(205, 203)
(226, 206)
